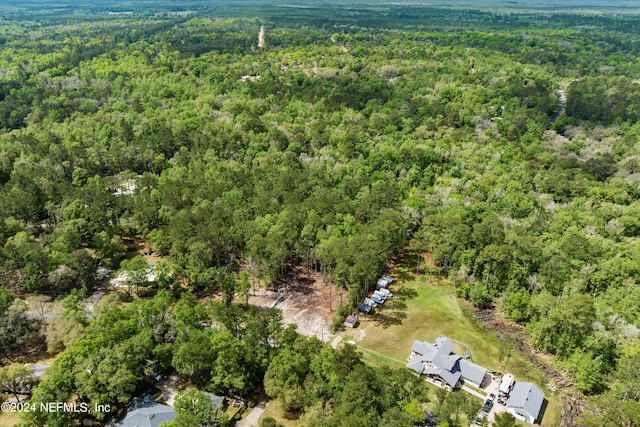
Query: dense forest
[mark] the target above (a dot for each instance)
(507, 146)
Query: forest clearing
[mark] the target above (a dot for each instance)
(305, 299)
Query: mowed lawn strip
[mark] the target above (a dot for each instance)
(422, 309)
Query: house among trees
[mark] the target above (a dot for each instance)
(525, 402)
(443, 367)
(147, 413)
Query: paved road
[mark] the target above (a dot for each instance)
(253, 419)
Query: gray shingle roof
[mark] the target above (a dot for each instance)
(450, 378)
(528, 397)
(436, 359)
(216, 401)
(472, 372)
(416, 364)
(147, 414)
(446, 362)
(422, 347)
(444, 345)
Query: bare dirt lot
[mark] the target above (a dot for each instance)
(305, 299)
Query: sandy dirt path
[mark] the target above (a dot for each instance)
(261, 37)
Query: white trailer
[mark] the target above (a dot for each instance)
(506, 385)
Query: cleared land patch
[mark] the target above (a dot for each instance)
(304, 299)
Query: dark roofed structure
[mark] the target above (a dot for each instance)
(216, 401)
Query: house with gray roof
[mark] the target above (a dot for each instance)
(525, 402)
(436, 361)
(146, 413)
(472, 373)
(442, 366)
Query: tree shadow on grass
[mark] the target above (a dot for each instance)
(403, 275)
(404, 294)
(394, 311)
(386, 318)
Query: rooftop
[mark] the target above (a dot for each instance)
(528, 397)
(471, 371)
(147, 413)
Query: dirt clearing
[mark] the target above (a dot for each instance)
(305, 299)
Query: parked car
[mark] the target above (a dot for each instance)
(488, 404)
(383, 282)
(364, 308)
(380, 294)
(377, 299)
(386, 292)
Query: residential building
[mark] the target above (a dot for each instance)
(525, 402)
(147, 413)
(443, 367)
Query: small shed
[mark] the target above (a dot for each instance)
(351, 321)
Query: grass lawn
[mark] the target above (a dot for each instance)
(422, 309)
(274, 410)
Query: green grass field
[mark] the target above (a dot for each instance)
(422, 309)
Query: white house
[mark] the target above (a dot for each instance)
(525, 402)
